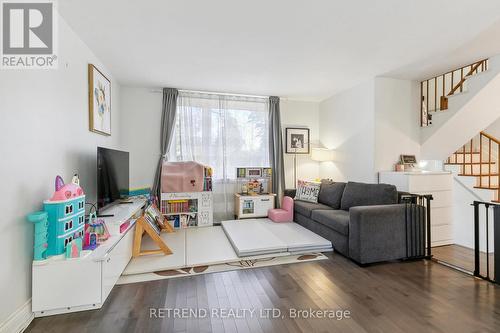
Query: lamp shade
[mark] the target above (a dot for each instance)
(322, 154)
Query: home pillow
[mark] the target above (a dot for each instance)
(307, 191)
(330, 193)
(361, 194)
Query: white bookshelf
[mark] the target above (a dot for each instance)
(188, 209)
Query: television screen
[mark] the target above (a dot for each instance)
(112, 177)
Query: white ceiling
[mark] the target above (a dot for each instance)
(306, 49)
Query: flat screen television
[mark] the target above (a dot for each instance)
(112, 177)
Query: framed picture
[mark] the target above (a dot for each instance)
(99, 102)
(297, 140)
(408, 159)
(267, 172)
(254, 172)
(241, 172)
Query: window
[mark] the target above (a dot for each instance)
(68, 225)
(224, 132)
(68, 240)
(80, 220)
(80, 205)
(69, 209)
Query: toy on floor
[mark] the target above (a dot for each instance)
(65, 212)
(283, 214)
(41, 221)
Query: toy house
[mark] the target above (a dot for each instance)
(66, 215)
(41, 221)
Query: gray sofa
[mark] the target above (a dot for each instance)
(364, 222)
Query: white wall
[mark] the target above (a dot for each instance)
(300, 114)
(140, 125)
(494, 129)
(397, 126)
(141, 133)
(347, 125)
(369, 126)
(464, 194)
(44, 132)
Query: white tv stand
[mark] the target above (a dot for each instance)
(69, 285)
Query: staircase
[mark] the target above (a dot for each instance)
(479, 159)
(457, 105)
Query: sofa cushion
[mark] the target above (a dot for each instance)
(330, 193)
(305, 208)
(337, 220)
(361, 194)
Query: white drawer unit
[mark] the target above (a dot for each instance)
(439, 185)
(250, 206)
(69, 285)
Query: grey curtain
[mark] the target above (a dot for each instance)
(276, 149)
(168, 111)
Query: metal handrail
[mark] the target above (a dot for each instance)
(425, 242)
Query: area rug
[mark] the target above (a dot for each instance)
(230, 266)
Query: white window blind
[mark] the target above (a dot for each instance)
(222, 131)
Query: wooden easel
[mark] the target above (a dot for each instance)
(142, 226)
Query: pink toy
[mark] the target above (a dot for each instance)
(66, 191)
(284, 214)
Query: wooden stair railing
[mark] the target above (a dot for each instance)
(480, 158)
(460, 84)
(433, 91)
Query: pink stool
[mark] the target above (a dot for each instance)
(285, 214)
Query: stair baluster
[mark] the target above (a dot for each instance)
(439, 102)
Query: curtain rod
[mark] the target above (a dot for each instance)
(211, 93)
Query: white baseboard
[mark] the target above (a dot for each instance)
(19, 320)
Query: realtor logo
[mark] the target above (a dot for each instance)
(28, 34)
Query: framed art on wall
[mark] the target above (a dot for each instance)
(99, 102)
(297, 140)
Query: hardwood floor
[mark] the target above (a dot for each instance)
(463, 257)
(419, 296)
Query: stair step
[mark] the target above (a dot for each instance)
(467, 153)
(493, 187)
(478, 175)
(471, 163)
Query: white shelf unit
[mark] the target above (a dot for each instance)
(440, 185)
(69, 285)
(188, 209)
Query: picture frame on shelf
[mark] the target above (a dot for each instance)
(267, 172)
(253, 172)
(99, 101)
(297, 140)
(408, 159)
(241, 172)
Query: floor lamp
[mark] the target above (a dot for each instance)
(295, 165)
(321, 154)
